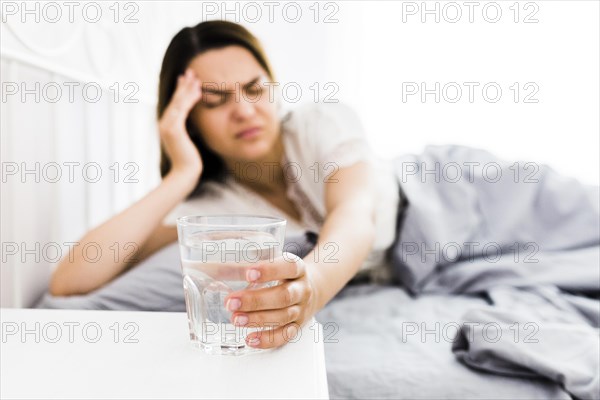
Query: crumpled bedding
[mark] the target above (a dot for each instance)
(383, 343)
(523, 237)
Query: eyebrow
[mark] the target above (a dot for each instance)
(222, 92)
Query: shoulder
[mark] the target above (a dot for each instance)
(320, 124)
(325, 132)
(314, 113)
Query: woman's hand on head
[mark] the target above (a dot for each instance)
(184, 155)
(284, 308)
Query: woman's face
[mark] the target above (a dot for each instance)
(235, 115)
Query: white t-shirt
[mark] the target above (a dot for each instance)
(318, 139)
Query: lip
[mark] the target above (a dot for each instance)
(248, 133)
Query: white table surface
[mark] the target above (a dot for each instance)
(162, 364)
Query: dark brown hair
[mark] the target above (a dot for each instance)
(187, 44)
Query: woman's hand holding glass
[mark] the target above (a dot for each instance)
(282, 309)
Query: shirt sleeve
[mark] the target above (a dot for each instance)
(338, 135)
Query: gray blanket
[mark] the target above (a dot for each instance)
(524, 237)
(383, 343)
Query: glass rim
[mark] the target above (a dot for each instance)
(271, 221)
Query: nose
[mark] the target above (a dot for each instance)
(244, 109)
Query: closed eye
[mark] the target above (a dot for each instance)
(211, 99)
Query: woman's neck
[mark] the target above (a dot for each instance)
(264, 176)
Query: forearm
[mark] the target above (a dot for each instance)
(79, 273)
(350, 230)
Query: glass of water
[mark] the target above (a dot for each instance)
(216, 251)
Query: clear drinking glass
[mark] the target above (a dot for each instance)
(215, 252)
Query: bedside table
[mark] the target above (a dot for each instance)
(83, 354)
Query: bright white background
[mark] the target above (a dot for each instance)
(368, 50)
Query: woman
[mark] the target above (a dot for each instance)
(212, 135)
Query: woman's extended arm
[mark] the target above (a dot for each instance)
(137, 232)
(310, 283)
(349, 229)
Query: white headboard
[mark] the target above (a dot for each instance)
(56, 124)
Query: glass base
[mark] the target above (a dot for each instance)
(226, 349)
